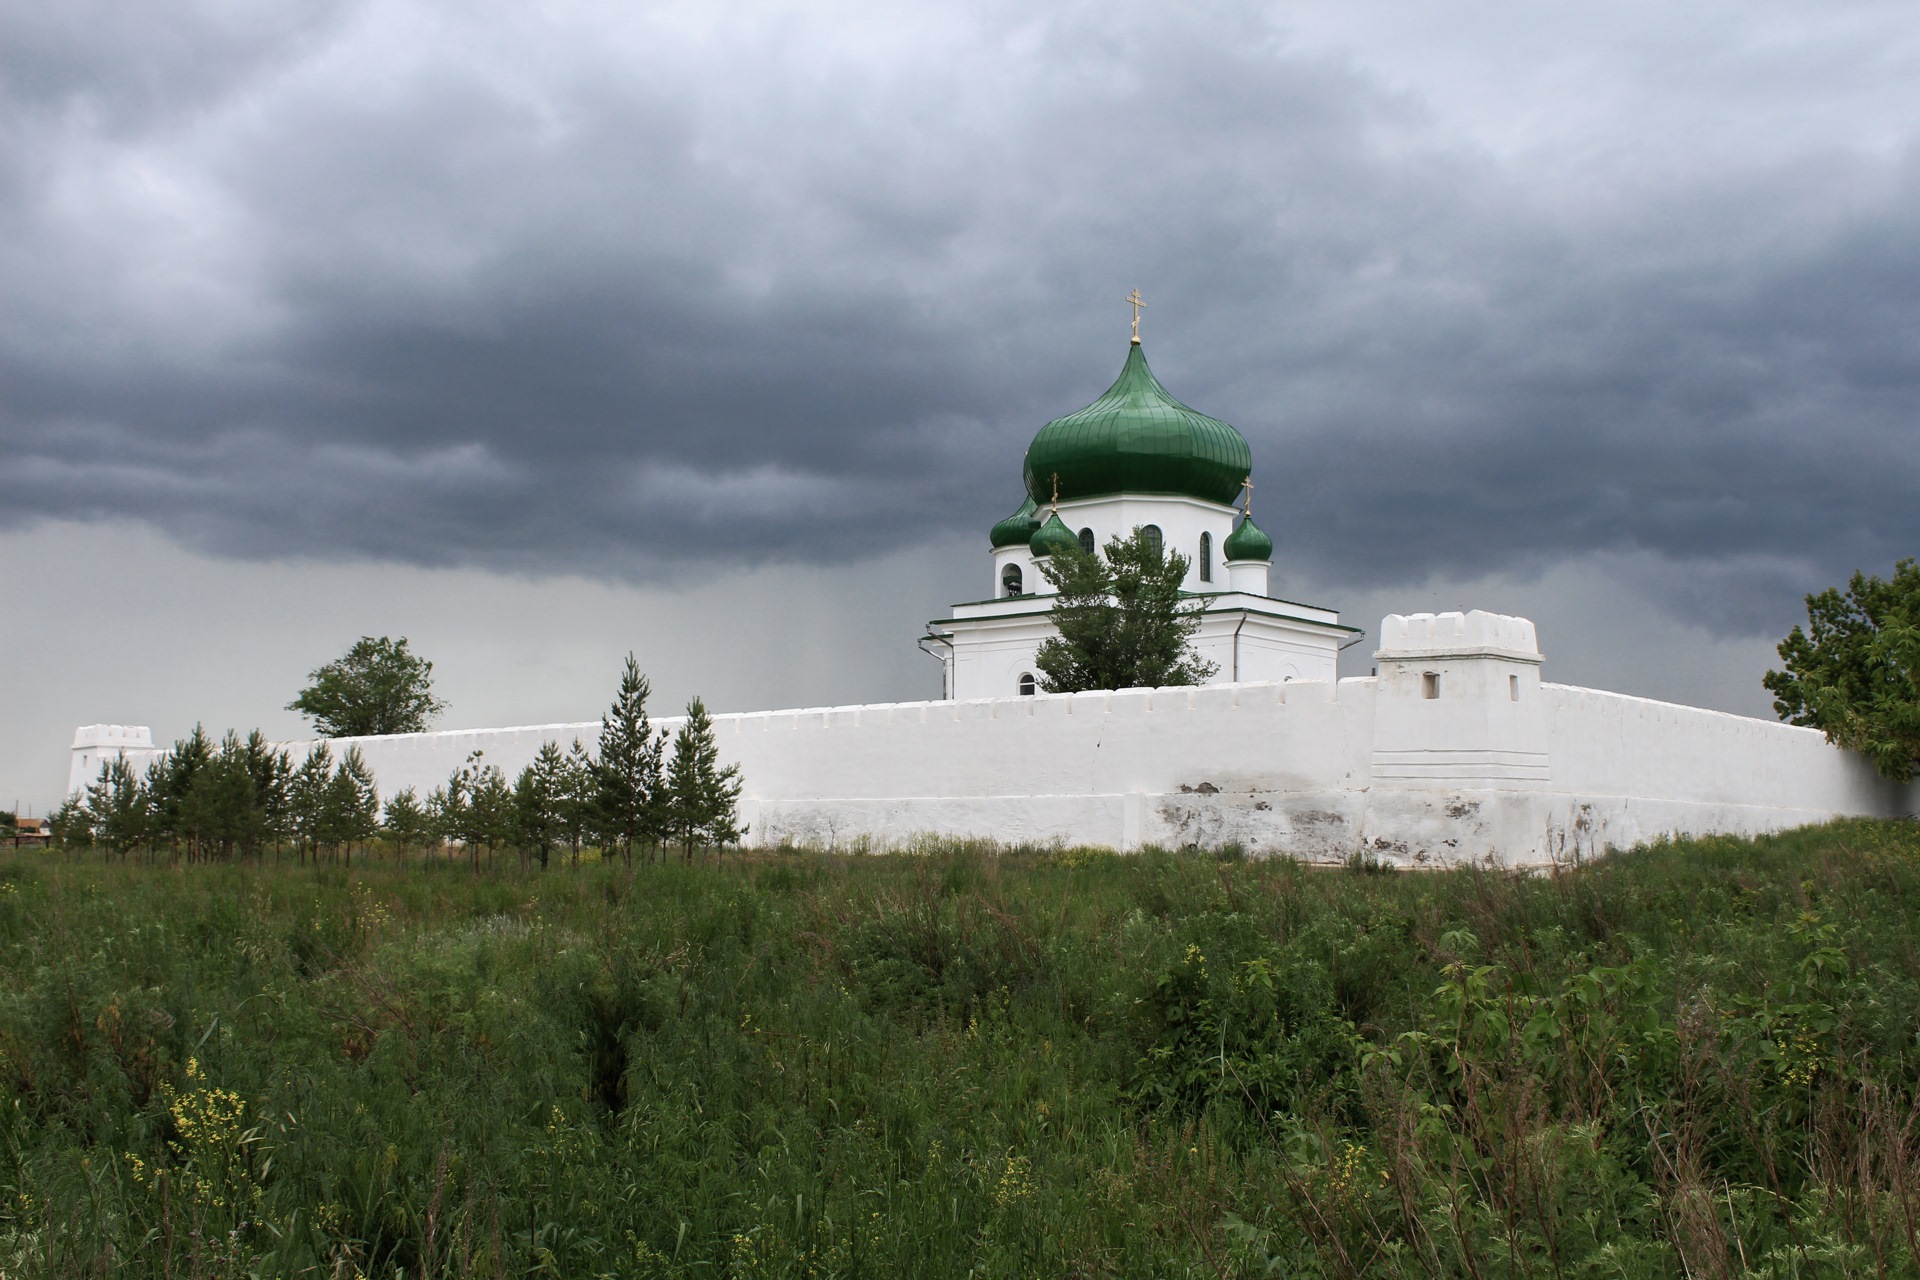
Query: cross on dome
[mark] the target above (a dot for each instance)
(1138, 307)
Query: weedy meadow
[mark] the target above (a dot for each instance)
(1694, 1059)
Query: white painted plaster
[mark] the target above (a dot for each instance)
(1249, 576)
(1497, 766)
(1181, 521)
(95, 744)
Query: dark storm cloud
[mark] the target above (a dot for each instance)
(579, 292)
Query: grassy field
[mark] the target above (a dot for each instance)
(1699, 1059)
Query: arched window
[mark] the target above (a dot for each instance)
(1027, 685)
(1152, 533)
(1011, 580)
(1086, 541)
(1206, 557)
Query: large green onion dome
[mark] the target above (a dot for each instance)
(1247, 543)
(1052, 537)
(1137, 439)
(1016, 528)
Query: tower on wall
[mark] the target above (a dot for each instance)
(1136, 458)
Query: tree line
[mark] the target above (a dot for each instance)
(637, 791)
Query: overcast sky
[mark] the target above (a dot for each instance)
(539, 333)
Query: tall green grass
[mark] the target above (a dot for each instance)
(1693, 1059)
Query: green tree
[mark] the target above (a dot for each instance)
(270, 772)
(538, 795)
(181, 804)
(223, 795)
(1122, 619)
(71, 826)
(578, 781)
(378, 687)
(447, 811)
(702, 797)
(307, 801)
(490, 817)
(1854, 671)
(628, 801)
(117, 810)
(352, 804)
(406, 822)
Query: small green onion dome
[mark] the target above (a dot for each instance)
(1137, 438)
(1016, 528)
(1247, 543)
(1051, 537)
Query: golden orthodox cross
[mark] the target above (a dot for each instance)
(1138, 307)
(1246, 508)
(1056, 493)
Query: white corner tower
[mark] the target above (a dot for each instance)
(1459, 701)
(95, 744)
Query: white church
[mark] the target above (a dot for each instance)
(1454, 751)
(1138, 458)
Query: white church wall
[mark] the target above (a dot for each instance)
(989, 661)
(994, 643)
(1498, 766)
(1181, 522)
(1249, 647)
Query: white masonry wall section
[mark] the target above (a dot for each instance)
(1455, 752)
(95, 744)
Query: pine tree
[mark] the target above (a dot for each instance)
(270, 773)
(489, 813)
(307, 800)
(686, 799)
(537, 796)
(405, 822)
(353, 804)
(71, 825)
(628, 803)
(117, 811)
(447, 812)
(702, 797)
(577, 795)
(180, 809)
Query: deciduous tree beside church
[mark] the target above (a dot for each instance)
(1122, 620)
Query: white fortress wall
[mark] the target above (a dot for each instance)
(1649, 768)
(1101, 768)
(1456, 751)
